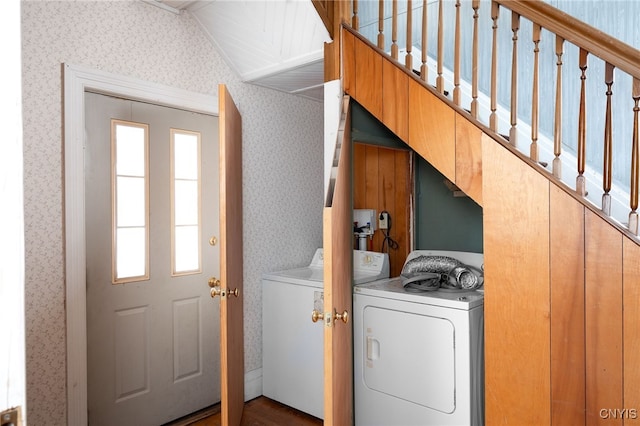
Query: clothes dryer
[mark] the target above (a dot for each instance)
(419, 356)
(292, 345)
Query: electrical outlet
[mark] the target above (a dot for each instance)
(384, 220)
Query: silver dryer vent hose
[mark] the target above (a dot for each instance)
(458, 275)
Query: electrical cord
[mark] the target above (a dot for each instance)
(390, 242)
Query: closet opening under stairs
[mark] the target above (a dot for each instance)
(535, 115)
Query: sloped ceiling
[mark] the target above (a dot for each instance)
(272, 43)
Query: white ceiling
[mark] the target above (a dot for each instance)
(272, 43)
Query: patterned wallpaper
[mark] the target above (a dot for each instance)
(282, 156)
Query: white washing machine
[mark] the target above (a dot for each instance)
(419, 356)
(292, 345)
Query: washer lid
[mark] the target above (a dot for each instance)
(367, 266)
(307, 273)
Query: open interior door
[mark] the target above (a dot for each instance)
(229, 287)
(338, 286)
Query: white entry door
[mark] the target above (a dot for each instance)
(152, 331)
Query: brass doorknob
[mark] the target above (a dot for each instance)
(315, 316)
(214, 283)
(233, 292)
(344, 316)
(216, 291)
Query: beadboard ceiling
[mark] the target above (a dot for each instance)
(272, 43)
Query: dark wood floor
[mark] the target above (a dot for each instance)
(261, 411)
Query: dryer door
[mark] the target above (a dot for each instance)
(410, 356)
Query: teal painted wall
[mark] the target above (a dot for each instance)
(442, 221)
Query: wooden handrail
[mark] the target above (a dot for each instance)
(596, 42)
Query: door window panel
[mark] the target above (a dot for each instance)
(130, 201)
(186, 248)
(185, 202)
(131, 253)
(131, 148)
(131, 209)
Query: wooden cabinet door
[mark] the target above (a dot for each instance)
(231, 274)
(338, 285)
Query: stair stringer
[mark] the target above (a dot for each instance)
(561, 343)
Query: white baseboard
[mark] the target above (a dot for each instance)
(252, 384)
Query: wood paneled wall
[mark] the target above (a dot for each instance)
(383, 180)
(566, 260)
(630, 325)
(517, 305)
(562, 292)
(417, 116)
(603, 319)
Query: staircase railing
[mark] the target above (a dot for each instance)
(488, 85)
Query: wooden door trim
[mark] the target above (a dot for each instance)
(77, 81)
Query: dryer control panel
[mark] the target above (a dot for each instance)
(370, 263)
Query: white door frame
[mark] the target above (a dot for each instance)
(77, 80)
